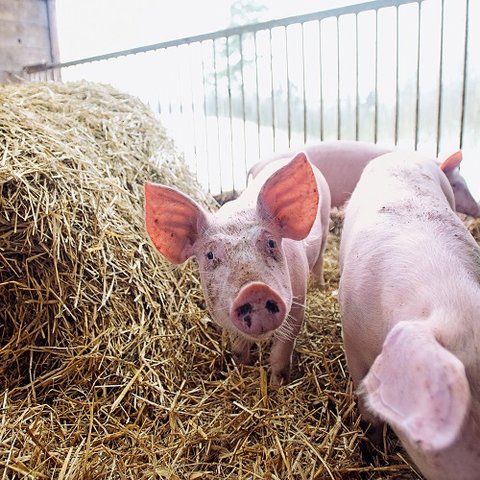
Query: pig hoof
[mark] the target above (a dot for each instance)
(247, 356)
(317, 282)
(241, 359)
(280, 378)
(374, 432)
(371, 444)
(367, 452)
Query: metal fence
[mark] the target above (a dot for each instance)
(396, 72)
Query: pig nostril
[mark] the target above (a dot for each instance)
(245, 309)
(248, 320)
(272, 307)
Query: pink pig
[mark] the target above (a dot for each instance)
(342, 163)
(254, 253)
(410, 303)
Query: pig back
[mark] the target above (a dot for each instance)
(342, 164)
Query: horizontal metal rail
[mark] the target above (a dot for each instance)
(284, 22)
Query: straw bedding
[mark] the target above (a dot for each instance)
(110, 367)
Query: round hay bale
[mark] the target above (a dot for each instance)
(109, 364)
(74, 252)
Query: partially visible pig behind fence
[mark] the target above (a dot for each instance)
(396, 72)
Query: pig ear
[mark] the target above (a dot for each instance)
(452, 162)
(289, 199)
(418, 387)
(173, 221)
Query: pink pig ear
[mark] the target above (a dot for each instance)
(173, 221)
(289, 198)
(452, 162)
(418, 387)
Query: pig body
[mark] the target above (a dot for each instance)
(410, 303)
(254, 254)
(342, 163)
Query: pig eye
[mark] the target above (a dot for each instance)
(272, 250)
(210, 255)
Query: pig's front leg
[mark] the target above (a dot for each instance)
(371, 425)
(359, 367)
(284, 343)
(240, 347)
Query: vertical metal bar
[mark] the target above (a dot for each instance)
(192, 99)
(289, 111)
(338, 80)
(304, 87)
(230, 116)
(465, 71)
(440, 79)
(375, 135)
(320, 77)
(215, 78)
(357, 99)
(272, 90)
(243, 114)
(257, 93)
(397, 75)
(176, 54)
(417, 94)
(206, 119)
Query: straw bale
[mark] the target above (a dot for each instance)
(110, 366)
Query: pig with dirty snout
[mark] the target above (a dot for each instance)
(410, 304)
(254, 254)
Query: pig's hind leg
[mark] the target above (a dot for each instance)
(317, 277)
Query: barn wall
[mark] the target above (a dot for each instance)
(27, 35)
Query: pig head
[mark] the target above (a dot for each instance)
(410, 303)
(253, 254)
(464, 201)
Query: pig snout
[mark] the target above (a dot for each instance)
(257, 310)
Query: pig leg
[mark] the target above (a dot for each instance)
(283, 344)
(318, 279)
(319, 233)
(240, 347)
(371, 424)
